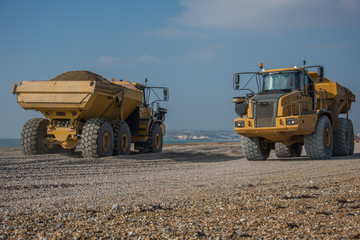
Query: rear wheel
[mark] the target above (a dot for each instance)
(122, 138)
(33, 137)
(341, 139)
(283, 151)
(351, 137)
(97, 138)
(255, 149)
(319, 144)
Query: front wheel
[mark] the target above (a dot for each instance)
(296, 150)
(255, 148)
(155, 141)
(319, 144)
(283, 151)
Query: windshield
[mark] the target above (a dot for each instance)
(281, 81)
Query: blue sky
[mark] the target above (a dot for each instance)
(191, 46)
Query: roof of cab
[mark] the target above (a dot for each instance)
(282, 69)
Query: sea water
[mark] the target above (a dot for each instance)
(9, 142)
(178, 141)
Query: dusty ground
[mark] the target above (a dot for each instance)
(189, 191)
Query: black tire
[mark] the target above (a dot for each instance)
(319, 144)
(122, 138)
(33, 137)
(283, 151)
(341, 139)
(296, 150)
(155, 141)
(256, 148)
(97, 139)
(351, 137)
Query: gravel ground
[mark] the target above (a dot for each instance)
(199, 190)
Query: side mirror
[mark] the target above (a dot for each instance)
(321, 71)
(166, 94)
(237, 79)
(321, 74)
(249, 80)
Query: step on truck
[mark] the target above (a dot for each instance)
(84, 109)
(291, 108)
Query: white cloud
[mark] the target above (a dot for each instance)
(268, 14)
(123, 60)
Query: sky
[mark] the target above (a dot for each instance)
(191, 46)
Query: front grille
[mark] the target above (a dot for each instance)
(264, 114)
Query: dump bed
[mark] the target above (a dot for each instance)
(332, 93)
(93, 99)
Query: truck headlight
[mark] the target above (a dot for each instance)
(291, 121)
(239, 124)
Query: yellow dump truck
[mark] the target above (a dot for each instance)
(291, 108)
(82, 108)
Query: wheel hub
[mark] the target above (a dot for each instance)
(124, 142)
(106, 142)
(157, 141)
(327, 138)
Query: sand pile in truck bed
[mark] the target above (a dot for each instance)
(79, 76)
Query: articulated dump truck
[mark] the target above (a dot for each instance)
(83, 108)
(293, 107)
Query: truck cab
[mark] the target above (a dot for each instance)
(147, 121)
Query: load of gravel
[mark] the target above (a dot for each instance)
(79, 76)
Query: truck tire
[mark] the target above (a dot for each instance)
(296, 150)
(255, 148)
(97, 139)
(33, 137)
(351, 137)
(155, 139)
(319, 144)
(122, 138)
(283, 151)
(341, 139)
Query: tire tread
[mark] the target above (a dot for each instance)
(252, 150)
(314, 143)
(341, 139)
(89, 136)
(29, 136)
